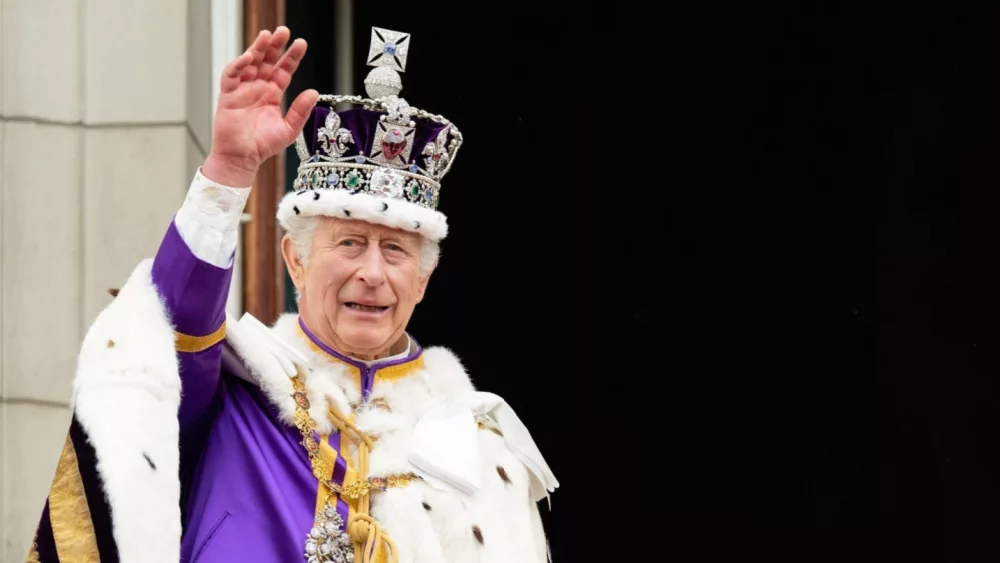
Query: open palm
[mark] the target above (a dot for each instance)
(250, 126)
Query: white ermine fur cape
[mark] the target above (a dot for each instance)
(477, 503)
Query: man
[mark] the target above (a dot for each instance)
(332, 436)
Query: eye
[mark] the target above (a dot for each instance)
(349, 242)
(394, 247)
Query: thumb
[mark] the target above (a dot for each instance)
(299, 111)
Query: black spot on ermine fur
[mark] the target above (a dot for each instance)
(296, 209)
(149, 461)
(478, 533)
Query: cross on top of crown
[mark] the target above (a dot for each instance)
(388, 48)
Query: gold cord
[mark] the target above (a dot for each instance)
(368, 536)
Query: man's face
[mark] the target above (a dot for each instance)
(359, 286)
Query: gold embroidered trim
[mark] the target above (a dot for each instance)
(191, 344)
(355, 489)
(33, 556)
(400, 370)
(379, 403)
(382, 374)
(72, 528)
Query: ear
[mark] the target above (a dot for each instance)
(423, 285)
(296, 270)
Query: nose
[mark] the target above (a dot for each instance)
(372, 270)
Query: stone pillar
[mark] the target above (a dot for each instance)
(105, 112)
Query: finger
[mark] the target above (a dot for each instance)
(280, 38)
(299, 111)
(261, 42)
(259, 47)
(257, 52)
(242, 68)
(237, 65)
(274, 49)
(283, 71)
(233, 71)
(249, 73)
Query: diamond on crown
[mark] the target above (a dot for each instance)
(332, 137)
(388, 48)
(386, 182)
(393, 144)
(383, 163)
(377, 181)
(387, 53)
(397, 111)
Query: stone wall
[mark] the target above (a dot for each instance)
(105, 112)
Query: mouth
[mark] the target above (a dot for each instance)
(366, 308)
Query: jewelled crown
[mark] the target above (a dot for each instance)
(382, 160)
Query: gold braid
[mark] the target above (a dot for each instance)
(366, 533)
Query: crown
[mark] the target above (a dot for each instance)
(381, 147)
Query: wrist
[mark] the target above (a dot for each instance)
(229, 171)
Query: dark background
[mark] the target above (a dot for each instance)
(738, 276)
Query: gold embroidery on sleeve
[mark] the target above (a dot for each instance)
(190, 344)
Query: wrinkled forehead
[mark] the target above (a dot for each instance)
(335, 226)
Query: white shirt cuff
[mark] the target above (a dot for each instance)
(209, 220)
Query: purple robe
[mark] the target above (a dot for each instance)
(174, 454)
(248, 489)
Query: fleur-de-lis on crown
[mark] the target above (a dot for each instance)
(332, 137)
(436, 152)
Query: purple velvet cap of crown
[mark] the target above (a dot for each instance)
(363, 124)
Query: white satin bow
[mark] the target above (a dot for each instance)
(254, 338)
(445, 446)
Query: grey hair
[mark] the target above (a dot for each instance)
(302, 229)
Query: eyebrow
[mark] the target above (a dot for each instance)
(355, 232)
(364, 233)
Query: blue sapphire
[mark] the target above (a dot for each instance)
(360, 159)
(332, 180)
(390, 48)
(413, 168)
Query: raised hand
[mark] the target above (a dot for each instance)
(249, 124)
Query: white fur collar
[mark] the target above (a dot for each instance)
(326, 379)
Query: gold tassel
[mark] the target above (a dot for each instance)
(367, 534)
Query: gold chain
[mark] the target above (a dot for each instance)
(321, 467)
